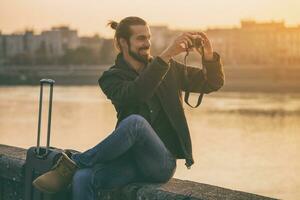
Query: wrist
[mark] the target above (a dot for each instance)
(209, 56)
(216, 58)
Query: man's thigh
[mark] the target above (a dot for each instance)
(152, 157)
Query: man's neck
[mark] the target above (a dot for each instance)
(136, 65)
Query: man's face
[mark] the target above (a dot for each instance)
(139, 43)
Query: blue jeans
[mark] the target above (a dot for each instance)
(131, 153)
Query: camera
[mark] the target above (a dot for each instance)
(197, 43)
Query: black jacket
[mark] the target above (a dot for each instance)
(128, 90)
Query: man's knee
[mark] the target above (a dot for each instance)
(136, 120)
(136, 125)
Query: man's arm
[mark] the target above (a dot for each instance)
(122, 91)
(195, 76)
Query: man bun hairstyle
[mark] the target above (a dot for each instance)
(123, 28)
(113, 24)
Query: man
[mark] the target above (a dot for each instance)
(152, 131)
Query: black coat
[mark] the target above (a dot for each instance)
(127, 90)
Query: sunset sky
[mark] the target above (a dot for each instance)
(91, 16)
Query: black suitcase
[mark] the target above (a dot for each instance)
(41, 159)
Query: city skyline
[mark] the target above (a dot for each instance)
(63, 45)
(53, 27)
(90, 17)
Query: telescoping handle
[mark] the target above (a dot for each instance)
(51, 83)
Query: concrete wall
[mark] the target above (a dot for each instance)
(12, 160)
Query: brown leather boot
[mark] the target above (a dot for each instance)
(59, 177)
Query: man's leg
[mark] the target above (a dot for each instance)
(116, 173)
(135, 133)
(82, 187)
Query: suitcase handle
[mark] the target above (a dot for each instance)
(51, 83)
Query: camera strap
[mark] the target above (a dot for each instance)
(186, 82)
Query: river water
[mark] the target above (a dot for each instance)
(241, 141)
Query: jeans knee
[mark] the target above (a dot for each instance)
(134, 118)
(137, 120)
(136, 125)
(83, 178)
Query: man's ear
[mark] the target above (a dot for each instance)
(123, 43)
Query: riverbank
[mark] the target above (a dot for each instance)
(246, 78)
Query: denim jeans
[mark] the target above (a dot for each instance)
(131, 153)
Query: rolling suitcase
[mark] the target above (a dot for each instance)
(41, 159)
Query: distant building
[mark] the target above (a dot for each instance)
(108, 51)
(52, 43)
(258, 43)
(59, 39)
(252, 43)
(95, 43)
(32, 43)
(70, 39)
(2, 56)
(14, 45)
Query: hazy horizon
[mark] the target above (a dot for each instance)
(91, 17)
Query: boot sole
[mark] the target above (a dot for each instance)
(40, 188)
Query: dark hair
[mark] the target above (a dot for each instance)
(123, 28)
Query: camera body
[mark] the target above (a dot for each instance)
(197, 43)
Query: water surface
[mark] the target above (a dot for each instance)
(241, 141)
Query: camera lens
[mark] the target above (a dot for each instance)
(197, 43)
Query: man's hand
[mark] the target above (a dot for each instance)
(207, 47)
(181, 43)
(178, 46)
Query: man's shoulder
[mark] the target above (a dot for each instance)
(114, 71)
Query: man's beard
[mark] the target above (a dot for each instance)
(144, 59)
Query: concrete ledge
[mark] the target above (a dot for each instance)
(12, 160)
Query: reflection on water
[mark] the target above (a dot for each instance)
(247, 142)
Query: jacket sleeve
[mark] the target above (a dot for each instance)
(195, 76)
(120, 90)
